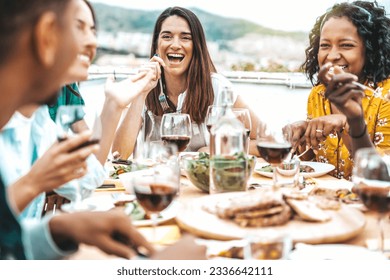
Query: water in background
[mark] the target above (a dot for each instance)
(273, 101)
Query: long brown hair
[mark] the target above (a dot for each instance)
(199, 88)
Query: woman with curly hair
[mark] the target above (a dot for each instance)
(351, 38)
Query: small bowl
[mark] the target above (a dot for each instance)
(197, 170)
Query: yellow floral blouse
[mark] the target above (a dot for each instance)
(376, 114)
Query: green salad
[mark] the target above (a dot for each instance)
(119, 169)
(136, 212)
(198, 171)
(229, 173)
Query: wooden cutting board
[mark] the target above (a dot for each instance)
(345, 223)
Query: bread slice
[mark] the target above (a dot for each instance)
(308, 210)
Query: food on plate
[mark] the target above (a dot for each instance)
(293, 194)
(343, 194)
(264, 219)
(308, 210)
(306, 168)
(264, 208)
(257, 208)
(119, 169)
(326, 203)
(303, 168)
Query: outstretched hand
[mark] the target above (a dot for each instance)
(124, 92)
(110, 231)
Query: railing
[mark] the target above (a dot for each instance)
(292, 80)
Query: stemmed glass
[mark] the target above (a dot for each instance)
(244, 117)
(70, 120)
(155, 190)
(274, 142)
(371, 178)
(214, 113)
(176, 129)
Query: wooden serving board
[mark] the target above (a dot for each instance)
(345, 223)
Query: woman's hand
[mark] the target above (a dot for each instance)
(298, 130)
(319, 128)
(61, 163)
(110, 231)
(341, 91)
(124, 92)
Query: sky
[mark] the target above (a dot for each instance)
(288, 15)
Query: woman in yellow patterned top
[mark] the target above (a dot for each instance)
(352, 38)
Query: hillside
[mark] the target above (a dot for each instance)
(234, 44)
(217, 28)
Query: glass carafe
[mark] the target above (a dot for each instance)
(228, 163)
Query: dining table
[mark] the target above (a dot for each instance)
(171, 230)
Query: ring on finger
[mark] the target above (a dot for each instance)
(319, 130)
(79, 171)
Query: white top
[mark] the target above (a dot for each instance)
(22, 141)
(200, 135)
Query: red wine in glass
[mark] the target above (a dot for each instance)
(273, 153)
(155, 197)
(180, 141)
(373, 196)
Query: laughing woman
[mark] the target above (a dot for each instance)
(189, 83)
(353, 38)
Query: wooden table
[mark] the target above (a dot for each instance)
(188, 192)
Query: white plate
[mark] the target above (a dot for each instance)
(93, 203)
(334, 252)
(166, 215)
(320, 169)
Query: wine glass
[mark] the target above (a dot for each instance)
(244, 117)
(176, 129)
(156, 188)
(214, 113)
(371, 178)
(274, 142)
(70, 120)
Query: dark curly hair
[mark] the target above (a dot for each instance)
(199, 87)
(374, 28)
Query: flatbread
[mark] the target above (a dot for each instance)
(307, 210)
(266, 221)
(251, 201)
